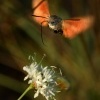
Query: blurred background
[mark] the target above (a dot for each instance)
(78, 58)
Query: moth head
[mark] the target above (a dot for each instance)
(54, 21)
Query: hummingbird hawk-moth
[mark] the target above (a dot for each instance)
(68, 28)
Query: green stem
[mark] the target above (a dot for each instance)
(29, 88)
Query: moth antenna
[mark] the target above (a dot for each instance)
(39, 16)
(74, 19)
(41, 26)
(41, 32)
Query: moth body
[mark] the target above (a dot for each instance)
(69, 28)
(55, 23)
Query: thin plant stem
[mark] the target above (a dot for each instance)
(29, 88)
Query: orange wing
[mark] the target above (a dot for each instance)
(75, 26)
(40, 9)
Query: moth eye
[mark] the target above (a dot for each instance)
(55, 31)
(52, 22)
(60, 31)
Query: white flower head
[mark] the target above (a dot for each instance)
(44, 79)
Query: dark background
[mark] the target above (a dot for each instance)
(79, 58)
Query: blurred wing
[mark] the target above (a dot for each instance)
(73, 27)
(40, 8)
